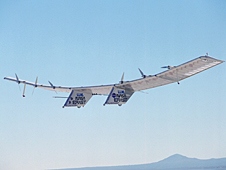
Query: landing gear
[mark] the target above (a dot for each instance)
(119, 104)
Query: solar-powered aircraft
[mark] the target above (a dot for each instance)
(120, 93)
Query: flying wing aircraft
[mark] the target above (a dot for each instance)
(120, 93)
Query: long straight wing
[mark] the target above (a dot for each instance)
(97, 90)
(121, 92)
(175, 74)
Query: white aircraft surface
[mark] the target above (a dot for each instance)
(120, 93)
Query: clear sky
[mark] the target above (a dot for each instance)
(87, 42)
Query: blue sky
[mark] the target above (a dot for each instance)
(78, 43)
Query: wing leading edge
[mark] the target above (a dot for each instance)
(120, 93)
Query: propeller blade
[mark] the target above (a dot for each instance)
(19, 87)
(51, 84)
(33, 91)
(141, 72)
(122, 78)
(36, 81)
(18, 81)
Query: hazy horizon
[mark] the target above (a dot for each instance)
(174, 161)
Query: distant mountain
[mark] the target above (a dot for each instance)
(174, 162)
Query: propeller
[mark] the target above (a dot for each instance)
(18, 81)
(36, 81)
(121, 82)
(142, 74)
(51, 84)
